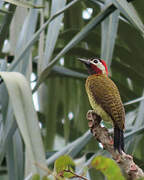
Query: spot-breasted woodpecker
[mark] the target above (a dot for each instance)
(105, 99)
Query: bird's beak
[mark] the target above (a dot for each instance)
(84, 61)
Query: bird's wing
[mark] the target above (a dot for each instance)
(106, 94)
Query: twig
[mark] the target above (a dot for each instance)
(48, 171)
(124, 160)
(75, 175)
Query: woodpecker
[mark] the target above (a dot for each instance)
(105, 99)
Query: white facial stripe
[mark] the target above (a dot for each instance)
(100, 66)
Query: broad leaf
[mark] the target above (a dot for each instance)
(26, 118)
(108, 167)
(64, 164)
(36, 177)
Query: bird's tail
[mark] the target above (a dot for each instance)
(118, 139)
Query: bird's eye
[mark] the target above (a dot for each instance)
(96, 61)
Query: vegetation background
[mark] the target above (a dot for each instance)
(40, 41)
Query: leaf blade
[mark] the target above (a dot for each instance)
(109, 32)
(25, 115)
(53, 30)
(95, 21)
(129, 12)
(23, 4)
(108, 167)
(35, 37)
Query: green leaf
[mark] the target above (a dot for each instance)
(141, 179)
(108, 167)
(45, 178)
(64, 163)
(36, 177)
(26, 117)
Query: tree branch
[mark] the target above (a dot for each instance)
(124, 160)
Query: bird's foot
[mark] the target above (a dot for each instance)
(92, 116)
(111, 142)
(122, 156)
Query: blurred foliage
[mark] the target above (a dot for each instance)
(64, 166)
(108, 167)
(42, 40)
(36, 177)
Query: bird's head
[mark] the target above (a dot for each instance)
(95, 66)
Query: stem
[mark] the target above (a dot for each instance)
(76, 175)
